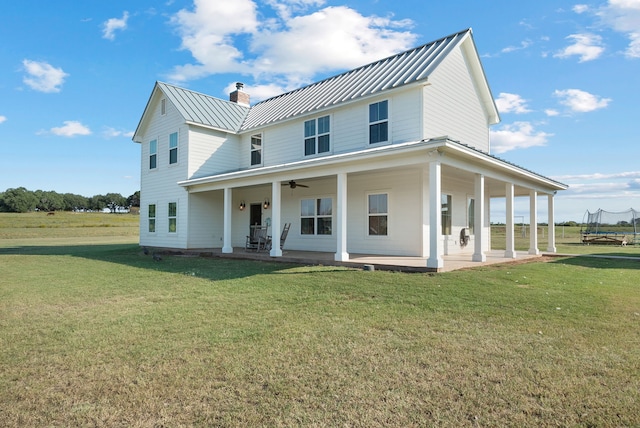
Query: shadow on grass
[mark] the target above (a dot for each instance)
(212, 268)
(602, 261)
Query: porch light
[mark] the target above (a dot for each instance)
(266, 204)
(242, 205)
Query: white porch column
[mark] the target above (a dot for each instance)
(276, 202)
(533, 222)
(435, 216)
(341, 219)
(551, 245)
(510, 252)
(478, 222)
(227, 247)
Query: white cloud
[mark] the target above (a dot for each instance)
(42, 76)
(110, 26)
(623, 16)
(511, 103)
(71, 128)
(291, 48)
(587, 46)
(581, 101)
(580, 8)
(523, 45)
(3, 119)
(110, 132)
(519, 135)
(600, 176)
(551, 112)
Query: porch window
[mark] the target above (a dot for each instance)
(379, 122)
(317, 136)
(316, 216)
(152, 218)
(471, 213)
(173, 217)
(378, 214)
(173, 148)
(256, 149)
(446, 214)
(153, 154)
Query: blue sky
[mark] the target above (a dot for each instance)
(76, 76)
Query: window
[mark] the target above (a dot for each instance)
(173, 217)
(379, 122)
(315, 216)
(153, 153)
(316, 136)
(471, 214)
(445, 202)
(152, 218)
(173, 148)
(378, 214)
(163, 106)
(256, 149)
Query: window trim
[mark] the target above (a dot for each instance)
(371, 123)
(316, 217)
(150, 217)
(446, 226)
(259, 151)
(153, 154)
(173, 217)
(385, 214)
(174, 148)
(316, 136)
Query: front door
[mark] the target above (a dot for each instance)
(255, 215)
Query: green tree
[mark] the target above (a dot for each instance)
(19, 200)
(74, 202)
(134, 200)
(49, 201)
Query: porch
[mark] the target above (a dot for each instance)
(360, 261)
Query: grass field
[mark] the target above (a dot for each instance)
(94, 333)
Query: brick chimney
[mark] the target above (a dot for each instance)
(239, 96)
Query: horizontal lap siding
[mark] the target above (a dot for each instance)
(159, 186)
(212, 152)
(452, 105)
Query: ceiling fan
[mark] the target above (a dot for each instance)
(293, 184)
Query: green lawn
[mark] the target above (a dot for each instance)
(98, 334)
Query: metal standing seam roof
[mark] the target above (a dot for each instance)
(395, 71)
(206, 110)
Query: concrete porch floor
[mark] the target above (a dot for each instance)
(398, 263)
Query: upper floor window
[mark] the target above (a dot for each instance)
(315, 216)
(153, 153)
(378, 214)
(173, 148)
(256, 149)
(379, 122)
(152, 218)
(445, 203)
(173, 217)
(163, 106)
(317, 136)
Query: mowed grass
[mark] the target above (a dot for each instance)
(102, 335)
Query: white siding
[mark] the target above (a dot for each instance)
(452, 106)
(206, 224)
(158, 186)
(212, 152)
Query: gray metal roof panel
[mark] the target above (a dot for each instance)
(205, 110)
(401, 69)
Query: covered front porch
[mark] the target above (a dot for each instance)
(415, 179)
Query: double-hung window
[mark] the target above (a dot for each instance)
(316, 216)
(471, 214)
(173, 217)
(379, 122)
(153, 154)
(317, 136)
(445, 203)
(378, 214)
(256, 149)
(173, 148)
(152, 218)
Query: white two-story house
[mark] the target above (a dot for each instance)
(391, 158)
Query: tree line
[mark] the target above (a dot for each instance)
(21, 200)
